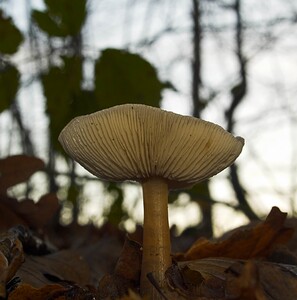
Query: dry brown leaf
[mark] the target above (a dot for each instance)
(38, 214)
(126, 275)
(262, 280)
(129, 263)
(14, 170)
(253, 242)
(17, 169)
(112, 287)
(8, 218)
(11, 258)
(292, 244)
(278, 280)
(218, 278)
(66, 265)
(27, 292)
(247, 286)
(191, 282)
(27, 212)
(101, 257)
(3, 271)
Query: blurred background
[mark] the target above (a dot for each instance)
(232, 62)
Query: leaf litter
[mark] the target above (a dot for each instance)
(40, 259)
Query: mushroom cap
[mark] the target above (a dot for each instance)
(136, 142)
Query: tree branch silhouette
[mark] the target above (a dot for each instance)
(238, 93)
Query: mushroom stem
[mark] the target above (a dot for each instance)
(156, 237)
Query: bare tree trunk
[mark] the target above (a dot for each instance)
(51, 167)
(27, 144)
(205, 206)
(76, 203)
(196, 61)
(26, 141)
(238, 92)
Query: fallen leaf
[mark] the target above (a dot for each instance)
(27, 292)
(247, 243)
(8, 217)
(281, 254)
(3, 277)
(129, 263)
(247, 286)
(278, 280)
(112, 287)
(225, 278)
(292, 244)
(27, 212)
(11, 258)
(17, 169)
(65, 264)
(126, 275)
(176, 280)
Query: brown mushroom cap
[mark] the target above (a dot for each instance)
(135, 142)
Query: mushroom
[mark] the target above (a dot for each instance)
(159, 149)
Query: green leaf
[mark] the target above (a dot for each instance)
(45, 23)
(73, 194)
(10, 36)
(201, 190)
(9, 84)
(64, 97)
(115, 214)
(84, 103)
(123, 77)
(62, 17)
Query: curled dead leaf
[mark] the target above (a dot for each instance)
(27, 212)
(17, 169)
(126, 274)
(38, 214)
(129, 263)
(256, 241)
(11, 258)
